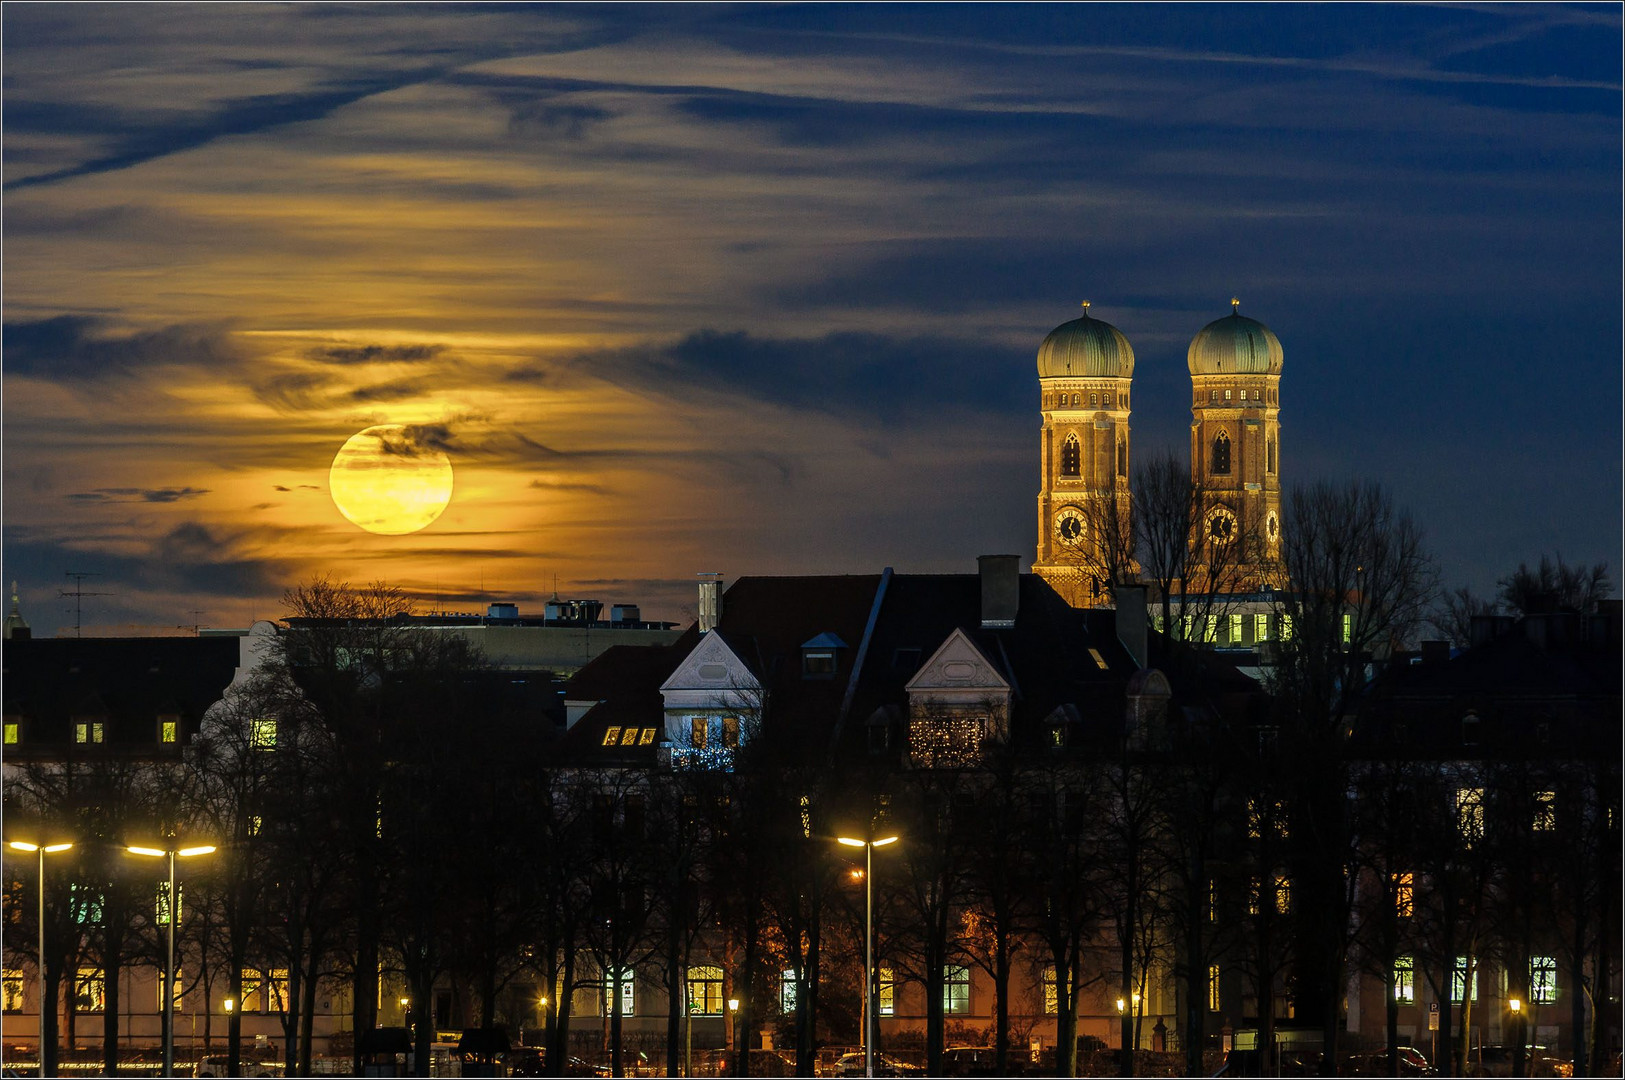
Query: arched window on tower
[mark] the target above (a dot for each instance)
(1221, 455)
(1270, 446)
(1122, 458)
(1069, 456)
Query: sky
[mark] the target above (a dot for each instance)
(758, 289)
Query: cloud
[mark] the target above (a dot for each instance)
(72, 347)
(376, 354)
(151, 495)
(567, 485)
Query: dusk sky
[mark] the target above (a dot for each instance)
(758, 290)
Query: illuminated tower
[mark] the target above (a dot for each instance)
(1235, 365)
(1084, 370)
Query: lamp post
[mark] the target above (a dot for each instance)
(869, 1019)
(41, 850)
(1515, 1005)
(174, 912)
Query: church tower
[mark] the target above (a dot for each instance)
(1235, 365)
(1084, 370)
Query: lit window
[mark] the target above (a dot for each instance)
(11, 989)
(1075, 398)
(263, 735)
(1100, 661)
(1348, 628)
(629, 737)
(13, 733)
(730, 732)
(698, 726)
(1286, 628)
(956, 990)
(88, 733)
(806, 818)
(1252, 896)
(276, 983)
(1070, 456)
(180, 989)
(628, 992)
(1255, 820)
(1460, 985)
(1213, 987)
(787, 991)
(1261, 627)
(253, 1000)
(1543, 980)
(1212, 901)
(705, 990)
(255, 824)
(1470, 814)
(1052, 993)
(612, 735)
(1227, 395)
(1235, 629)
(1404, 895)
(1405, 979)
(89, 990)
(167, 731)
(886, 992)
(1106, 399)
(161, 908)
(86, 904)
(946, 741)
(1213, 395)
(1283, 895)
(1545, 811)
(648, 736)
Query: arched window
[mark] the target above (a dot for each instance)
(1094, 399)
(1271, 447)
(1076, 399)
(1122, 458)
(1227, 395)
(1221, 455)
(1106, 399)
(1213, 395)
(1069, 456)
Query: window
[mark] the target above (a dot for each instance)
(1213, 395)
(89, 733)
(1461, 986)
(85, 903)
(11, 990)
(161, 908)
(168, 730)
(1106, 399)
(648, 736)
(1545, 811)
(1235, 629)
(730, 732)
(1470, 814)
(1075, 399)
(1543, 980)
(263, 735)
(276, 985)
(180, 989)
(1213, 987)
(13, 732)
(956, 990)
(1212, 901)
(1261, 627)
(886, 992)
(1252, 896)
(1283, 895)
(253, 1000)
(1221, 455)
(1270, 456)
(806, 818)
(1348, 628)
(1094, 399)
(946, 742)
(818, 664)
(628, 992)
(1286, 628)
(698, 727)
(1469, 729)
(1404, 895)
(1227, 395)
(1052, 994)
(255, 824)
(89, 990)
(705, 990)
(612, 735)
(787, 991)
(1405, 980)
(1070, 456)
(1122, 458)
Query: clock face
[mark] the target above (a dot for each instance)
(1069, 525)
(1273, 527)
(1221, 525)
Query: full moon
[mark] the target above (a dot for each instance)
(388, 481)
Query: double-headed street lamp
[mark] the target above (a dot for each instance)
(174, 916)
(869, 1019)
(41, 850)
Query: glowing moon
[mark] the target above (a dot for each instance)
(389, 481)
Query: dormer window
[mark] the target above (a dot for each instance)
(821, 656)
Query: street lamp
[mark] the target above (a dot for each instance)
(869, 1019)
(41, 850)
(174, 912)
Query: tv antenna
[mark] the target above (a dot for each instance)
(78, 593)
(193, 626)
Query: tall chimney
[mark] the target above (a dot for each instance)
(710, 601)
(1132, 628)
(1001, 589)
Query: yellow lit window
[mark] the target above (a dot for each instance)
(1348, 628)
(89, 733)
(13, 733)
(806, 818)
(11, 989)
(1100, 661)
(1470, 814)
(1283, 895)
(1252, 897)
(277, 990)
(1255, 820)
(1404, 895)
(1213, 987)
(886, 992)
(1052, 996)
(262, 735)
(89, 990)
(168, 731)
(180, 989)
(647, 737)
(705, 990)
(253, 999)
(629, 737)
(698, 727)
(1235, 629)
(612, 736)
(1261, 627)
(1545, 811)
(1286, 628)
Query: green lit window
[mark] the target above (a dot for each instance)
(89, 733)
(956, 990)
(1543, 980)
(262, 735)
(1348, 628)
(13, 733)
(168, 731)
(705, 990)
(1261, 627)
(86, 904)
(1405, 979)
(628, 992)
(1461, 986)
(1286, 628)
(787, 991)
(1235, 629)
(161, 908)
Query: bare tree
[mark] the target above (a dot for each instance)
(1555, 586)
(1453, 615)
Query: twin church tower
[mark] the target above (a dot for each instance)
(1085, 377)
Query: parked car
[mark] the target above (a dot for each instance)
(885, 1065)
(1412, 1062)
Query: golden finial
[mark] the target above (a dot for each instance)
(1235, 305)
(1086, 307)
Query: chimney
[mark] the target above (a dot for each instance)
(1132, 621)
(1001, 589)
(710, 601)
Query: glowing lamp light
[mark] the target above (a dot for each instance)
(23, 845)
(847, 840)
(733, 1004)
(1515, 1005)
(230, 1006)
(154, 852)
(1122, 1005)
